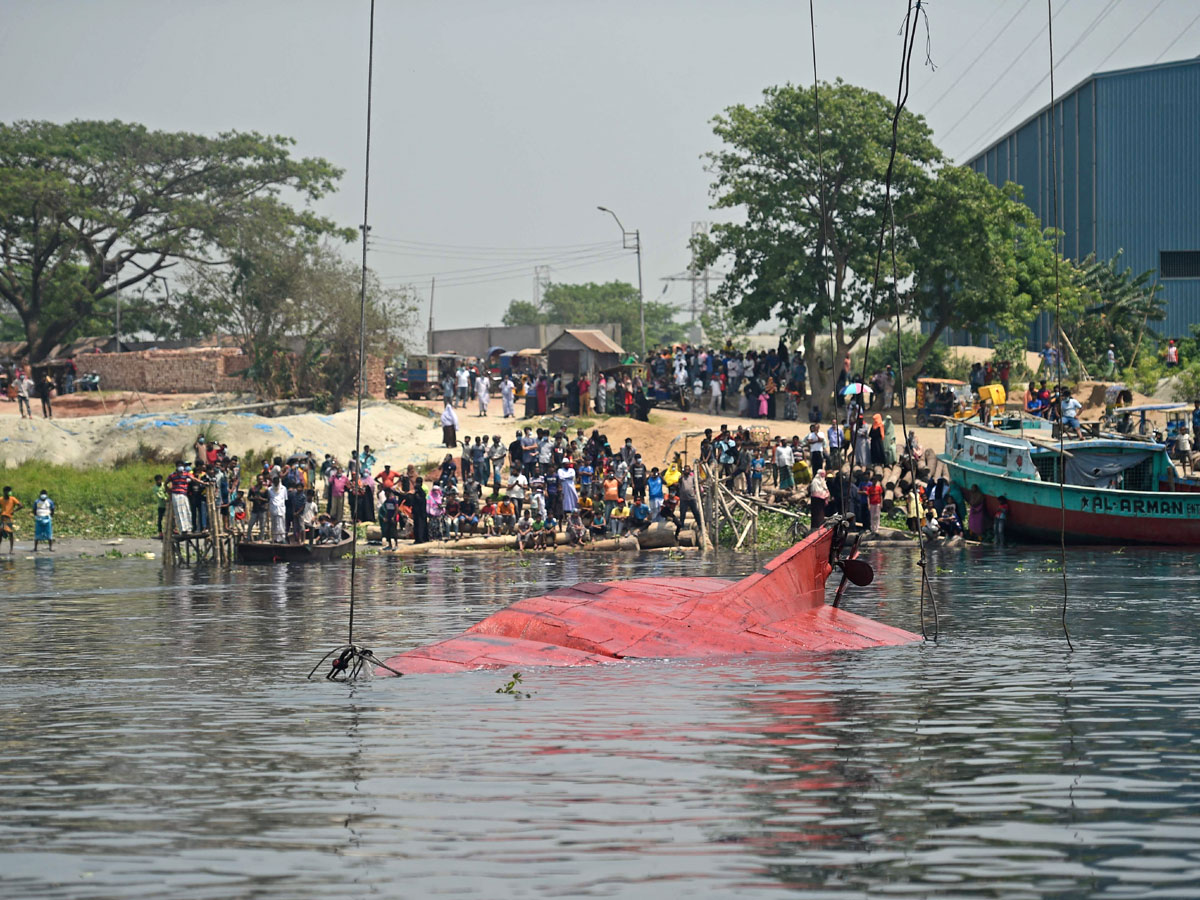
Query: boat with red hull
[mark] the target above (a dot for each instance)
(781, 609)
(1114, 490)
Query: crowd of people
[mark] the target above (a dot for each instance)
(534, 488)
(719, 380)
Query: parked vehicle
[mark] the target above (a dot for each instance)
(425, 374)
(946, 397)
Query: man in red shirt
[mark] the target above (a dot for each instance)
(874, 492)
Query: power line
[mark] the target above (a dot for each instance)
(962, 47)
(1128, 35)
(977, 59)
(1029, 93)
(530, 258)
(485, 255)
(507, 275)
(469, 247)
(523, 265)
(1016, 59)
(1186, 29)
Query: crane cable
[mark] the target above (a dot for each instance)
(352, 659)
(902, 89)
(822, 240)
(1062, 500)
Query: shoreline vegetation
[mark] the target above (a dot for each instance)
(111, 512)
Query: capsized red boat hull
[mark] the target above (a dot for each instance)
(779, 609)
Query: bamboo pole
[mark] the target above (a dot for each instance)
(168, 537)
(702, 532)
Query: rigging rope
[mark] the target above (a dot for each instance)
(822, 239)
(362, 326)
(888, 226)
(1062, 468)
(351, 659)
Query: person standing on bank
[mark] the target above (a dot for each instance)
(24, 385)
(507, 392)
(450, 426)
(8, 509)
(483, 392)
(45, 387)
(43, 521)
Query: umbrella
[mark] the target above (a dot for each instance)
(857, 387)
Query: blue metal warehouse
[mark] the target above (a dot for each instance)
(1128, 175)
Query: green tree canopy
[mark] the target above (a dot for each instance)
(598, 304)
(91, 208)
(783, 259)
(981, 261)
(1112, 306)
(293, 304)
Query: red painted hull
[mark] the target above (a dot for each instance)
(779, 609)
(1043, 523)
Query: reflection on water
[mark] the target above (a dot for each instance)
(159, 740)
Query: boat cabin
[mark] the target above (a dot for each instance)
(1101, 463)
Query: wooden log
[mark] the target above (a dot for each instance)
(660, 534)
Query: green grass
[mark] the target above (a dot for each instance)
(91, 503)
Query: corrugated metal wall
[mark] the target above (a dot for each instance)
(1128, 173)
(1148, 175)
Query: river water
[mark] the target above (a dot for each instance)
(160, 740)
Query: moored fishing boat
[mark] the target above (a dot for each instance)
(271, 552)
(1114, 490)
(779, 609)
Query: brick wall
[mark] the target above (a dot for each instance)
(192, 371)
(376, 383)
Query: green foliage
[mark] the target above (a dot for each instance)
(90, 208)
(981, 260)
(91, 503)
(883, 352)
(599, 304)
(293, 305)
(1144, 375)
(524, 312)
(512, 688)
(1187, 388)
(783, 261)
(1112, 306)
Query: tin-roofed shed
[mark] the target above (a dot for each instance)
(580, 350)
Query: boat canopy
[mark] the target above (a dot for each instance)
(1095, 468)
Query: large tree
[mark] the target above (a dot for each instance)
(981, 261)
(91, 208)
(598, 304)
(292, 303)
(784, 260)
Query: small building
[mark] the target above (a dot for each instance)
(580, 350)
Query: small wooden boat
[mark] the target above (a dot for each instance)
(780, 609)
(270, 552)
(1114, 490)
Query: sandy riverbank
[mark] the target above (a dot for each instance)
(397, 435)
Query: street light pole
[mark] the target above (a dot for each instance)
(636, 238)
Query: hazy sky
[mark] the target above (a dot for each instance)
(503, 125)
